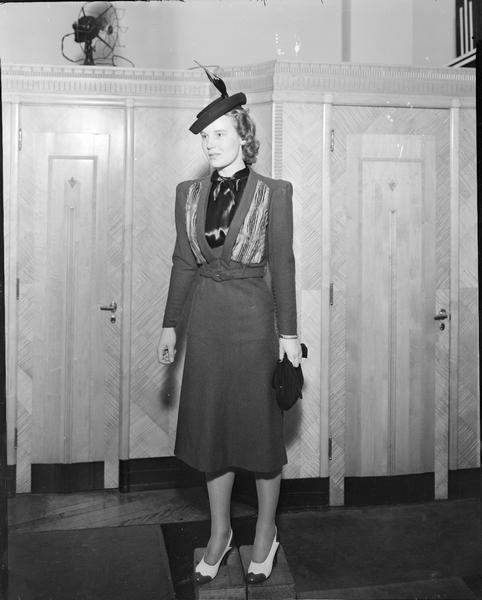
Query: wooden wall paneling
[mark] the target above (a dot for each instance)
(454, 282)
(25, 273)
(166, 153)
(112, 122)
(325, 300)
(10, 166)
(446, 257)
(465, 421)
(302, 165)
(183, 92)
(127, 291)
(441, 437)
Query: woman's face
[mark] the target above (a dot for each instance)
(222, 146)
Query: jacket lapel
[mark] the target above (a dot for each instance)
(239, 215)
(201, 219)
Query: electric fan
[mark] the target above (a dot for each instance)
(97, 32)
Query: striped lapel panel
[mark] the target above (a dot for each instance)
(251, 240)
(192, 206)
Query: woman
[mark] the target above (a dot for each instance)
(231, 228)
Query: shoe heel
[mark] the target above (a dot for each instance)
(224, 562)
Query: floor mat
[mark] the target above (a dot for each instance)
(351, 548)
(110, 563)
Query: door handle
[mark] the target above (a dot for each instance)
(112, 307)
(443, 314)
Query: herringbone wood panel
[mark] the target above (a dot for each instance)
(115, 261)
(441, 440)
(26, 310)
(166, 153)
(10, 265)
(467, 429)
(302, 165)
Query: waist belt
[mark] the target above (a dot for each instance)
(223, 274)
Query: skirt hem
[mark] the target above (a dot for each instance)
(229, 466)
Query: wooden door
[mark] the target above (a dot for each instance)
(69, 349)
(391, 304)
(390, 265)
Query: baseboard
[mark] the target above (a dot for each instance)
(396, 489)
(11, 480)
(465, 483)
(169, 472)
(304, 493)
(67, 478)
(138, 474)
(295, 494)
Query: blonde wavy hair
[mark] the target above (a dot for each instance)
(246, 129)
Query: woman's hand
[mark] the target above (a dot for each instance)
(167, 346)
(292, 348)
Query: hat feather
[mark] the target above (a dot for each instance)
(215, 80)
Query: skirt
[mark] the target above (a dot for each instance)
(228, 415)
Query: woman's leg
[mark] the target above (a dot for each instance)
(267, 487)
(219, 487)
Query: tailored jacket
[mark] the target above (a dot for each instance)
(260, 238)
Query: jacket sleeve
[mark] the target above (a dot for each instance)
(281, 258)
(184, 267)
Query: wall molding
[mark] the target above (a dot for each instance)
(282, 81)
(107, 82)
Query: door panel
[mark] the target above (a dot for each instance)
(390, 270)
(68, 341)
(390, 343)
(69, 350)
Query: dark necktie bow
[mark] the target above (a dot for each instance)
(221, 210)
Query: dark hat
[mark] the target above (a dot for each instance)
(218, 107)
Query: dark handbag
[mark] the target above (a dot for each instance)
(288, 381)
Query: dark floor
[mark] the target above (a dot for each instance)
(106, 545)
(124, 563)
(361, 549)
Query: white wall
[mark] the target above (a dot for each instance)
(235, 32)
(433, 32)
(381, 31)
